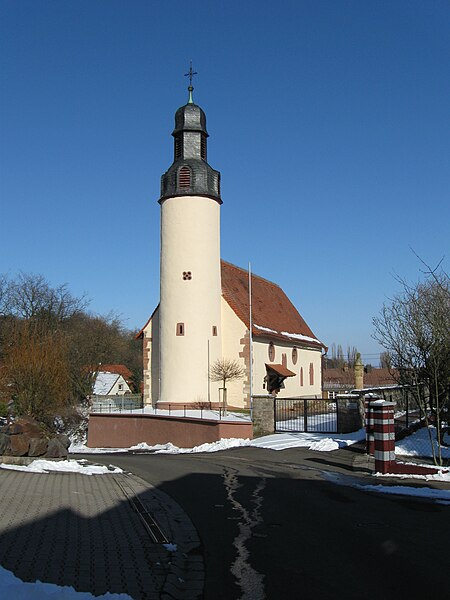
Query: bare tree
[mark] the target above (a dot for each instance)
(415, 331)
(35, 371)
(226, 370)
(32, 297)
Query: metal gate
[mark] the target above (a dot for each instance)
(306, 415)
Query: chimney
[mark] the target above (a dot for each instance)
(359, 372)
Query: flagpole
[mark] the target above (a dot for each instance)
(251, 336)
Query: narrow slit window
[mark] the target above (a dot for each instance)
(203, 147)
(301, 376)
(180, 328)
(184, 177)
(311, 374)
(214, 330)
(178, 148)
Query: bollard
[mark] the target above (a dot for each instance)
(382, 414)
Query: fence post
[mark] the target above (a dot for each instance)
(383, 420)
(407, 409)
(368, 414)
(305, 414)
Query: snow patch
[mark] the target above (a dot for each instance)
(63, 466)
(13, 588)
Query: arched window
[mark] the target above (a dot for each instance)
(294, 356)
(301, 376)
(311, 374)
(184, 177)
(271, 352)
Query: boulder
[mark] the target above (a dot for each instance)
(14, 428)
(4, 444)
(30, 427)
(64, 439)
(56, 449)
(38, 447)
(19, 445)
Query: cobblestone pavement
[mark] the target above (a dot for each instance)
(97, 534)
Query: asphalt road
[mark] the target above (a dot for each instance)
(274, 526)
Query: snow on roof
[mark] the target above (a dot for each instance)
(104, 383)
(271, 308)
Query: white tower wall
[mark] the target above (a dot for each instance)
(190, 242)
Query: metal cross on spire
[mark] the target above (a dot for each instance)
(190, 88)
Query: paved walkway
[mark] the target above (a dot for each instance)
(101, 533)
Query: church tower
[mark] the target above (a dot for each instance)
(190, 294)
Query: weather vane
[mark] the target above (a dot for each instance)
(190, 88)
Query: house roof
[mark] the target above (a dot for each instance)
(104, 383)
(118, 369)
(273, 314)
(281, 370)
(338, 377)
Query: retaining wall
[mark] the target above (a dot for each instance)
(123, 431)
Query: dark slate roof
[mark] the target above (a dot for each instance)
(273, 314)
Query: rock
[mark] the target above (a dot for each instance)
(30, 427)
(56, 449)
(38, 447)
(19, 445)
(4, 444)
(14, 429)
(64, 439)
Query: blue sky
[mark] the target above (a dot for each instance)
(328, 119)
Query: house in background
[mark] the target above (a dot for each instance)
(343, 379)
(119, 370)
(110, 384)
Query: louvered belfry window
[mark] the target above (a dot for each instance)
(184, 177)
(203, 147)
(178, 148)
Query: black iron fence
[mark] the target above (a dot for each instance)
(110, 404)
(306, 415)
(134, 403)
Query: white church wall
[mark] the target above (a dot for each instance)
(292, 384)
(151, 360)
(233, 332)
(190, 244)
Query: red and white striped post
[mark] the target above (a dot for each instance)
(384, 435)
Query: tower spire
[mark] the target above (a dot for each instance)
(190, 88)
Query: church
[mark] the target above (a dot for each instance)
(210, 309)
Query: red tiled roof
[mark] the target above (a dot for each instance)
(281, 370)
(272, 310)
(373, 378)
(119, 369)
